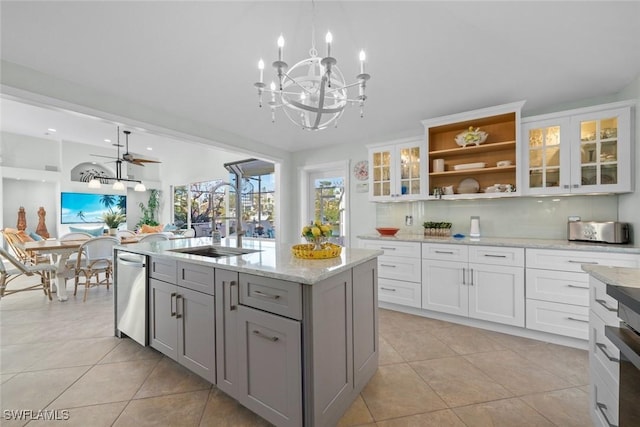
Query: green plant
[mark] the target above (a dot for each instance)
(150, 211)
(438, 225)
(113, 218)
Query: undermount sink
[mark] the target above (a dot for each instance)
(214, 251)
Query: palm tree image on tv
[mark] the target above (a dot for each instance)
(76, 208)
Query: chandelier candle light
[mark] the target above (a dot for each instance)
(313, 93)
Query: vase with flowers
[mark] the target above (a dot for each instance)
(317, 233)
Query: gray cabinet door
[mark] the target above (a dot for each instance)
(270, 371)
(226, 290)
(163, 324)
(365, 322)
(196, 332)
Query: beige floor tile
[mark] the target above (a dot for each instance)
(20, 357)
(388, 355)
(396, 391)
(458, 382)
(466, 340)
(501, 413)
(571, 364)
(418, 345)
(514, 372)
(567, 408)
(5, 377)
(223, 411)
(169, 377)
(391, 321)
(113, 382)
(512, 342)
(35, 390)
(94, 416)
(180, 410)
(444, 418)
(76, 353)
(357, 414)
(128, 350)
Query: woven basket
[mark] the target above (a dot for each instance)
(306, 251)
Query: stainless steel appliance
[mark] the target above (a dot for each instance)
(599, 231)
(131, 296)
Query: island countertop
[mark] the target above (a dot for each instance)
(623, 283)
(271, 259)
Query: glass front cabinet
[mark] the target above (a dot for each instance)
(396, 172)
(579, 151)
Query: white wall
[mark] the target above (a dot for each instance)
(629, 210)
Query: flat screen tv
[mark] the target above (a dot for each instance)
(79, 208)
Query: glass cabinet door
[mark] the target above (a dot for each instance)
(599, 151)
(381, 173)
(410, 170)
(547, 165)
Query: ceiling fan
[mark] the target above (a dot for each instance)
(126, 156)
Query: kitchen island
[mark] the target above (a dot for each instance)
(293, 340)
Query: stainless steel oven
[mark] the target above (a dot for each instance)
(627, 339)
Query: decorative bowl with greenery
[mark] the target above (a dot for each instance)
(113, 219)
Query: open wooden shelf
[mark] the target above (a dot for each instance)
(482, 148)
(511, 168)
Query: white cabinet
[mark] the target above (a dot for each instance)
(399, 271)
(489, 288)
(579, 151)
(557, 289)
(226, 290)
(397, 171)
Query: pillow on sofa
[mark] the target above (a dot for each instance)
(94, 231)
(144, 228)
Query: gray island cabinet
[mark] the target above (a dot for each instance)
(295, 341)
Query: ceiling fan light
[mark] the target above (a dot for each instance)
(118, 185)
(94, 183)
(139, 187)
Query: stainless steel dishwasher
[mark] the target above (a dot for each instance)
(131, 296)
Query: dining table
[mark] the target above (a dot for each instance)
(60, 250)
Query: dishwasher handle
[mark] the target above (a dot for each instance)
(128, 261)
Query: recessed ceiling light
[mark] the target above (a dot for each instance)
(52, 130)
(150, 148)
(107, 140)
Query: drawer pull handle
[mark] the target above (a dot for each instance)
(577, 287)
(575, 319)
(604, 304)
(444, 252)
(266, 337)
(387, 265)
(582, 262)
(387, 289)
(602, 407)
(264, 295)
(603, 349)
(495, 256)
(173, 312)
(387, 249)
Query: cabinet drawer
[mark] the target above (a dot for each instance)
(196, 277)
(403, 293)
(555, 318)
(603, 355)
(164, 269)
(602, 304)
(445, 252)
(497, 255)
(603, 404)
(573, 260)
(400, 268)
(558, 286)
(403, 249)
(272, 295)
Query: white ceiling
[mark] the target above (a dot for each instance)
(198, 60)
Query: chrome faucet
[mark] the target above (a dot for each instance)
(239, 230)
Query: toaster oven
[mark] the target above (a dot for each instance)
(599, 231)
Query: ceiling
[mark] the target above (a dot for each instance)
(198, 60)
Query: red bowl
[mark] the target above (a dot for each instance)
(387, 231)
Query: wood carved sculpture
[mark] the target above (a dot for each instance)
(22, 219)
(42, 226)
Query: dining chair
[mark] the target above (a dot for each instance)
(154, 237)
(14, 241)
(189, 232)
(72, 261)
(125, 234)
(95, 256)
(17, 269)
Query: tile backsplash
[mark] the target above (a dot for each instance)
(533, 217)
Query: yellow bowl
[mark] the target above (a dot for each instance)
(306, 251)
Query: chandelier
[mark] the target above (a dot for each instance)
(312, 93)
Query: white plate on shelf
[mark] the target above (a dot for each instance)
(466, 166)
(468, 186)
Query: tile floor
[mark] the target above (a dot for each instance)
(63, 356)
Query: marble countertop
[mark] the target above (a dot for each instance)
(271, 259)
(520, 242)
(623, 283)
